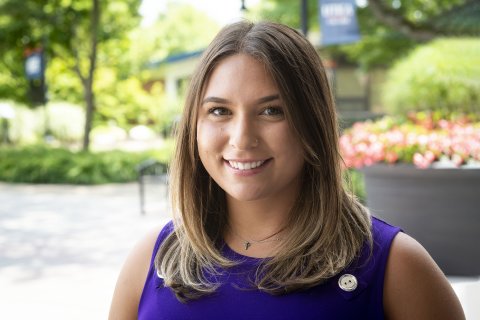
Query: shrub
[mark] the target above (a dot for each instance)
(40, 164)
(27, 125)
(66, 121)
(442, 76)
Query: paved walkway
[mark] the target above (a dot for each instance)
(61, 248)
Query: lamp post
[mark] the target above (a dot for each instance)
(304, 16)
(35, 72)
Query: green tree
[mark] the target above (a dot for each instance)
(389, 28)
(70, 30)
(182, 28)
(423, 20)
(286, 12)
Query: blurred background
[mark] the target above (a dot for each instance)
(91, 90)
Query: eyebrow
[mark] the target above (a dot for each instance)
(265, 99)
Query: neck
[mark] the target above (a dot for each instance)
(257, 219)
(253, 222)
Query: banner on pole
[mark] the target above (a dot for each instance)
(338, 21)
(35, 73)
(34, 64)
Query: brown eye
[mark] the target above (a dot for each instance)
(219, 111)
(273, 111)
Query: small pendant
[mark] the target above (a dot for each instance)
(247, 245)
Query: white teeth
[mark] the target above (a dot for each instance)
(245, 165)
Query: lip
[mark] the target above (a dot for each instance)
(247, 172)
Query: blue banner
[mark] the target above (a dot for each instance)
(35, 66)
(338, 21)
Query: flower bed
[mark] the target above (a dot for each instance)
(424, 139)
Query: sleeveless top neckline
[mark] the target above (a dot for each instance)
(235, 299)
(237, 256)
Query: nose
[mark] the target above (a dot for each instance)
(243, 134)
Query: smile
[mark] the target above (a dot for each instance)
(246, 165)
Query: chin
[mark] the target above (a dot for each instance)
(247, 196)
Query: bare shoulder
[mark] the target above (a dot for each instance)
(415, 287)
(131, 279)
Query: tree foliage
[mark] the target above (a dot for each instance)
(70, 30)
(423, 20)
(441, 76)
(182, 28)
(286, 12)
(124, 48)
(389, 29)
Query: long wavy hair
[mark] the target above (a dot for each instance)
(327, 226)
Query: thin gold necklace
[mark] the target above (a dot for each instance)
(248, 243)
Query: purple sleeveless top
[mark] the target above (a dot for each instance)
(234, 299)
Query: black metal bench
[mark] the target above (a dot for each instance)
(153, 171)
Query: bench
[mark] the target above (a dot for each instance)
(150, 170)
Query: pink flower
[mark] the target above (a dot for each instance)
(391, 157)
(422, 161)
(419, 139)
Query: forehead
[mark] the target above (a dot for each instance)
(240, 76)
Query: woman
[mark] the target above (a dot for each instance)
(263, 227)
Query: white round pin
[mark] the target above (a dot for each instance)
(347, 282)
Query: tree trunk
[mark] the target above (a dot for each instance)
(88, 81)
(90, 108)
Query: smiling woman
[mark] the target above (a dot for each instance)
(244, 140)
(263, 227)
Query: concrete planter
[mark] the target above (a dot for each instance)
(438, 207)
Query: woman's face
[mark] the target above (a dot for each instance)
(244, 141)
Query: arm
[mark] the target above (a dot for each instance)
(415, 287)
(128, 290)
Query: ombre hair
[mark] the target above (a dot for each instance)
(327, 225)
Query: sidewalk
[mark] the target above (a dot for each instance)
(61, 248)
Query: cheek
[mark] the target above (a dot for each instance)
(290, 147)
(287, 140)
(209, 138)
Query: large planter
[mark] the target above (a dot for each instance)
(440, 208)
